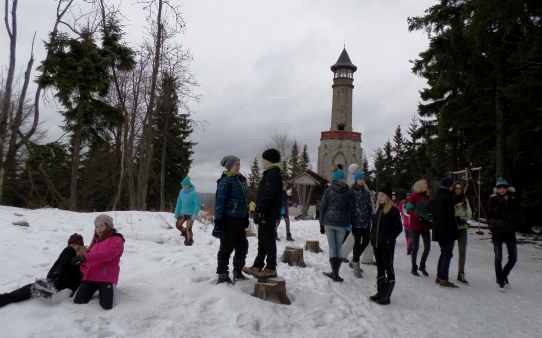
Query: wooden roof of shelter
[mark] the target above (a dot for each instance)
(309, 177)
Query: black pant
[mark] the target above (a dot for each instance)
(359, 245)
(508, 238)
(267, 246)
(15, 296)
(445, 258)
(88, 289)
(426, 237)
(233, 237)
(384, 262)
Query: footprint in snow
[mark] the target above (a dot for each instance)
(106, 334)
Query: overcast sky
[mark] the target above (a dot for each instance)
(263, 66)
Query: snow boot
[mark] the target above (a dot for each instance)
(332, 264)
(506, 283)
(224, 278)
(380, 285)
(345, 260)
(414, 271)
(461, 278)
(385, 300)
(238, 275)
(252, 270)
(266, 273)
(338, 263)
(424, 272)
(409, 252)
(357, 270)
(501, 287)
(437, 280)
(448, 285)
(289, 238)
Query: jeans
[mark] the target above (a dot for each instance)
(384, 262)
(359, 244)
(286, 219)
(508, 238)
(335, 237)
(446, 254)
(426, 237)
(462, 248)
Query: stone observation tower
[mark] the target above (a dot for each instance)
(340, 145)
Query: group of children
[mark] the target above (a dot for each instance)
(80, 269)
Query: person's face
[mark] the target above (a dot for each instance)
(101, 229)
(266, 164)
(372, 194)
(458, 189)
(502, 190)
(236, 167)
(393, 197)
(186, 187)
(382, 198)
(361, 181)
(424, 186)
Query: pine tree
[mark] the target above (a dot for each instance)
(253, 179)
(305, 161)
(294, 161)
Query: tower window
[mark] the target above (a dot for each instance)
(341, 126)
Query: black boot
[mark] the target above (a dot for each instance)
(332, 273)
(422, 269)
(380, 285)
(414, 271)
(224, 278)
(338, 263)
(385, 300)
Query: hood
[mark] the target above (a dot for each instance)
(339, 186)
(228, 174)
(276, 165)
(119, 235)
(444, 190)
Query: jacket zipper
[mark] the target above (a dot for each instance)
(105, 268)
(234, 207)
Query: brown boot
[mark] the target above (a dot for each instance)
(446, 284)
(251, 270)
(437, 280)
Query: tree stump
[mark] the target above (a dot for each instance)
(313, 246)
(272, 290)
(293, 255)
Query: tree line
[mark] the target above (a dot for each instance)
(482, 105)
(126, 110)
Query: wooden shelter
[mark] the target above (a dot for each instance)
(310, 188)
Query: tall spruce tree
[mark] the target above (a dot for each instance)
(305, 161)
(294, 161)
(253, 179)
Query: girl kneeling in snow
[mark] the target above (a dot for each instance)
(386, 227)
(62, 276)
(100, 265)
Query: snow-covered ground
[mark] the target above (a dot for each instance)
(168, 290)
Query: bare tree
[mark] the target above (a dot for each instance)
(281, 141)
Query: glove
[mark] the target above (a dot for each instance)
(349, 227)
(259, 218)
(322, 230)
(217, 230)
(78, 260)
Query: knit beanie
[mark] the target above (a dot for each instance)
(272, 155)
(386, 189)
(446, 182)
(501, 182)
(186, 182)
(108, 220)
(352, 168)
(229, 161)
(338, 175)
(359, 176)
(76, 239)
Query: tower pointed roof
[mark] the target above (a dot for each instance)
(344, 62)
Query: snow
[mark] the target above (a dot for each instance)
(167, 289)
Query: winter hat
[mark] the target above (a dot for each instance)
(229, 161)
(359, 176)
(386, 189)
(446, 182)
(76, 239)
(501, 182)
(272, 155)
(186, 182)
(108, 220)
(338, 175)
(352, 168)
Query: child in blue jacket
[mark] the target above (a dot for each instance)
(187, 210)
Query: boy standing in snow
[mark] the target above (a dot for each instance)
(445, 230)
(231, 220)
(503, 208)
(267, 215)
(187, 210)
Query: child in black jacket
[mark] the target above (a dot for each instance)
(63, 275)
(386, 227)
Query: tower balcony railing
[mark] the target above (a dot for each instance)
(351, 135)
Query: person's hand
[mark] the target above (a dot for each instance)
(493, 195)
(259, 218)
(505, 197)
(78, 260)
(217, 230)
(460, 204)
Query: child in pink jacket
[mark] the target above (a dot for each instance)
(100, 265)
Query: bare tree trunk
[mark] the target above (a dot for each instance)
(146, 158)
(163, 167)
(75, 156)
(500, 128)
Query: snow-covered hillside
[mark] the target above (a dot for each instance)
(168, 290)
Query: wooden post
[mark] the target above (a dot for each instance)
(313, 246)
(482, 206)
(293, 256)
(272, 290)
